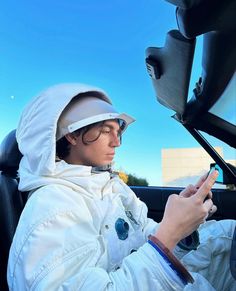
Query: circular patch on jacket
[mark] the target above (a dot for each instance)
(122, 228)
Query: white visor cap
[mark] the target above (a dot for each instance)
(84, 111)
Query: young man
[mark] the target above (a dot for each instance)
(82, 228)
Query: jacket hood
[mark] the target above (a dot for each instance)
(36, 132)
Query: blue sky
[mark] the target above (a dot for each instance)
(102, 43)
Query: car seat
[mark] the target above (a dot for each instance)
(11, 200)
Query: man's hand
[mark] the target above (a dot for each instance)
(185, 212)
(192, 189)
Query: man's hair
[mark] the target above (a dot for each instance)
(62, 148)
(63, 145)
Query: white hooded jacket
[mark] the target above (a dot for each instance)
(67, 237)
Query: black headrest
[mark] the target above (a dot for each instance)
(10, 155)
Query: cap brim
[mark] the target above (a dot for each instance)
(127, 118)
(100, 117)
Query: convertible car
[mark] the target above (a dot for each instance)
(211, 109)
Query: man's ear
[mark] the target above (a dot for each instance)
(71, 138)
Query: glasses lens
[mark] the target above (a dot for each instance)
(122, 124)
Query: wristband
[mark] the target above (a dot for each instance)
(174, 263)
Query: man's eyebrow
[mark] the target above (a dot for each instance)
(108, 125)
(111, 126)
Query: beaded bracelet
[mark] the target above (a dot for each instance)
(174, 263)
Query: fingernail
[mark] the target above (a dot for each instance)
(216, 173)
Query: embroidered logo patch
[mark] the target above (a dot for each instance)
(122, 228)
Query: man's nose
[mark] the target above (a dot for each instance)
(115, 141)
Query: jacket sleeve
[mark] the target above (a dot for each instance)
(61, 250)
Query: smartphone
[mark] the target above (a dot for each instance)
(220, 178)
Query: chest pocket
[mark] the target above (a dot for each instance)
(122, 233)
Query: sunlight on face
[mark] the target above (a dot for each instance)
(103, 128)
(96, 147)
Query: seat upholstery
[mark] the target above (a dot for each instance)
(11, 202)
